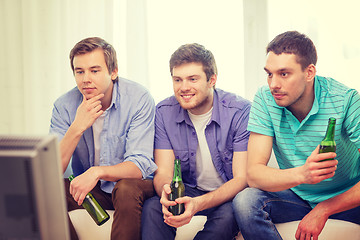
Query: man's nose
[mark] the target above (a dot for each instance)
(86, 77)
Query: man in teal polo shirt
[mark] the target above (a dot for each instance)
(290, 115)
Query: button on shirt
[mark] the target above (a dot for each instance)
(127, 134)
(225, 133)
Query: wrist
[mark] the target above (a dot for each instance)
(76, 129)
(97, 172)
(324, 209)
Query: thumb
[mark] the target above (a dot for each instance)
(183, 199)
(316, 151)
(167, 189)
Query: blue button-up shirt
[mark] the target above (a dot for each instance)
(225, 133)
(128, 129)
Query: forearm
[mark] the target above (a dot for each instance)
(221, 195)
(343, 202)
(272, 179)
(159, 181)
(116, 172)
(68, 145)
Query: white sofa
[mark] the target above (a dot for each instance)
(88, 230)
(333, 230)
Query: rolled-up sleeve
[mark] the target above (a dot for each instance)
(140, 137)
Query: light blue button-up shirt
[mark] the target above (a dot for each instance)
(127, 135)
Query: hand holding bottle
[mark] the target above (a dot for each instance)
(177, 189)
(98, 214)
(328, 144)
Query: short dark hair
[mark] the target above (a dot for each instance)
(90, 44)
(293, 42)
(197, 53)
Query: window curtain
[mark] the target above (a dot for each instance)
(36, 39)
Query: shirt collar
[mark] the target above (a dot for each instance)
(114, 101)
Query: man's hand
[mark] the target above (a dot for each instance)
(165, 202)
(88, 111)
(82, 185)
(179, 220)
(315, 170)
(311, 225)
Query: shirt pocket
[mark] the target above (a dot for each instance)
(185, 162)
(116, 148)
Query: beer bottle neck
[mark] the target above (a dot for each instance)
(330, 130)
(177, 171)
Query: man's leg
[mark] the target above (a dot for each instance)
(71, 205)
(104, 199)
(128, 198)
(220, 224)
(153, 225)
(257, 211)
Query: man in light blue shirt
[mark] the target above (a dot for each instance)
(290, 116)
(106, 126)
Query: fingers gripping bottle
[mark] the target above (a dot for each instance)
(177, 189)
(97, 213)
(328, 143)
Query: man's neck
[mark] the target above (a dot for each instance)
(303, 106)
(106, 100)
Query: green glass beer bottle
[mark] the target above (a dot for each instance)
(177, 189)
(328, 143)
(97, 213)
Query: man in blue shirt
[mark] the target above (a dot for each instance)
(205, 128)
(106, 126)
(291, 115)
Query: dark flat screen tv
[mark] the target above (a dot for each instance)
(32, 197)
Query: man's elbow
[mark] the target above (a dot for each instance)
(251, 179)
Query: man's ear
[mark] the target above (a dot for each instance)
(212, 80)
(114, 74)
(310, 72)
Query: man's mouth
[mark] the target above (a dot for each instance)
(88, 90)
(278, 96)
(187, 96)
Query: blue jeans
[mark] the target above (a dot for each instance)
(257, 211)
(220, 224)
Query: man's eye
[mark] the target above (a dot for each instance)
(284, 74)
(95, 71)
(79, 72)
(269, 75)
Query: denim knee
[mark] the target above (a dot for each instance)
(152, 207)
(245, 201)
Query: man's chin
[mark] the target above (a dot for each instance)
(281, 103)
(186, 106)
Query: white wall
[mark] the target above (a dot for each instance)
(38, 35)
(218, 25)
(332, 25)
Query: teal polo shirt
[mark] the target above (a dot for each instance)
(294, 141)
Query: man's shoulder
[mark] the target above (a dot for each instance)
(130, 87)
(332, 86)
(70, 97)
(168, 103)
(231, 100)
